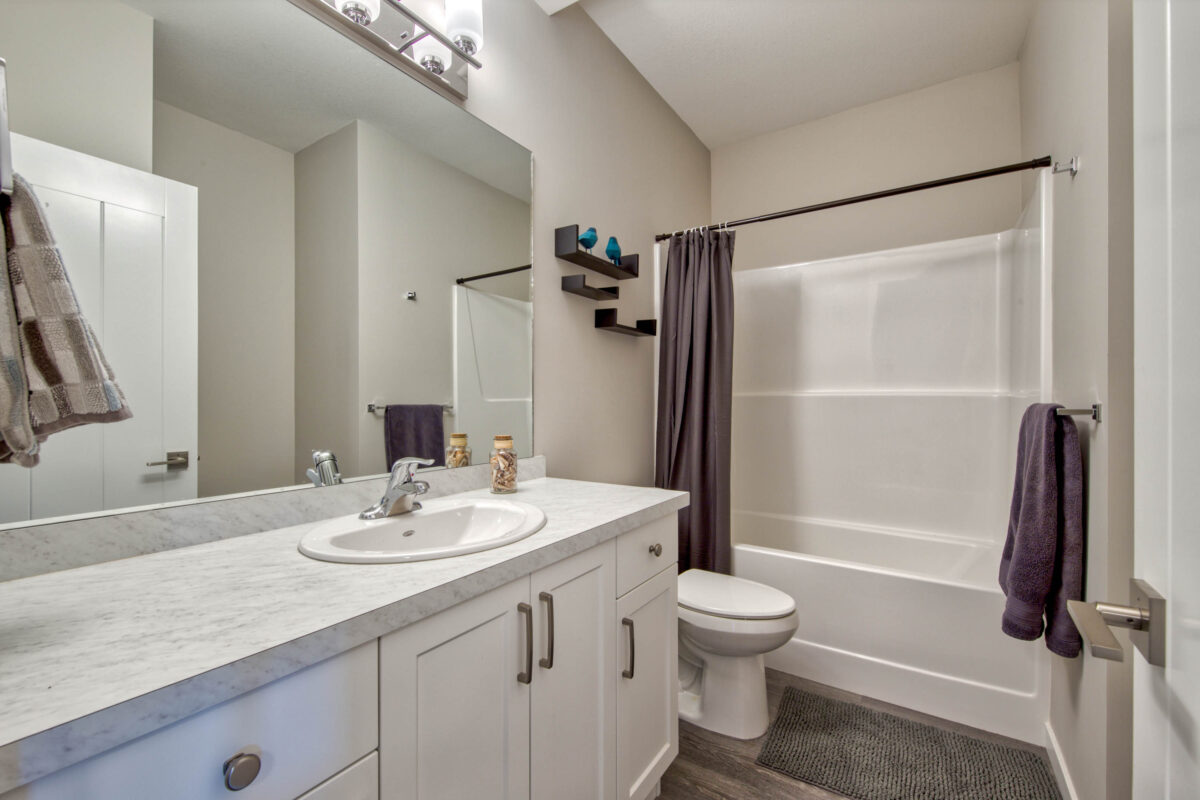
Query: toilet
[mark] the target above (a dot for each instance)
(726, 624)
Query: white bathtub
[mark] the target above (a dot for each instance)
(905, 617)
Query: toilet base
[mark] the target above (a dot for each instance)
(731, 697)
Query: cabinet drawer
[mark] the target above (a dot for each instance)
(636, 561)
(358, 782)
(304, 727)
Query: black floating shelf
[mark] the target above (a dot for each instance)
(566, 247)
(577, 284)
(606, 320)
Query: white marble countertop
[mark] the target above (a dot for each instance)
(96, 656)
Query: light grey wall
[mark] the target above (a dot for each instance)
(421, 224)
(1076, 100)
(247, 298)
(327, 298)
(607, 152)
(967, 124)
(93, 90)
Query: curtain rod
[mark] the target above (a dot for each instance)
(461, 281)
(1037, 163)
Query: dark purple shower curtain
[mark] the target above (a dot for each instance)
(695, 393)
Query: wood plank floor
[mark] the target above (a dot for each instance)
(715, 767)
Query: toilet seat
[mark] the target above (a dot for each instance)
(729, 597)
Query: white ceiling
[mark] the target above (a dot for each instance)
(273, 72)
(733, 69)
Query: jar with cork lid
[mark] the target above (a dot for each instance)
(504, 465)
(458, 454)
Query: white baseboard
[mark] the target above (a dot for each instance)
(1066, 787)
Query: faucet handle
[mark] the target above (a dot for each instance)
(403, 469)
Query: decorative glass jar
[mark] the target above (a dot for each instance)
(504, 466)
(458, 454)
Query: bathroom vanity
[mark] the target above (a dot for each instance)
(545, 668)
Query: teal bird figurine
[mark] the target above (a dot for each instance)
(613, 251)
(589, 239)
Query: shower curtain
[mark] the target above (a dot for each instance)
(695, 393)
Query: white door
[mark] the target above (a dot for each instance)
(1166, 744)
(648, 686)
(573, 711)
(454, 712)
(129, 241)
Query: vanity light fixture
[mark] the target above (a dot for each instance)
(364, 12)
(412, 35)
(464, 24)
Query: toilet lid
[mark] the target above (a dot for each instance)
(726, 596)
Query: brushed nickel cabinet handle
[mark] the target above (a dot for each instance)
(656, 550)
(628, 673)
(548, 661)
(527, 675)
(241, 770)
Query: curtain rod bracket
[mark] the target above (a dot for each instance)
(1071, 166)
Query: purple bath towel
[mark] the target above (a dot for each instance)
(414, 431)
(1042, 564)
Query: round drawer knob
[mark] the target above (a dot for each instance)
(241, 770)
(656, 549)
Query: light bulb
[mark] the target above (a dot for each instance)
(364, 12)
(464, 24)
(428, 51)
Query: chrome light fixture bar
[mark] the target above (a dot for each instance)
(391, 35)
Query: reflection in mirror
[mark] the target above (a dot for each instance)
(265, 226)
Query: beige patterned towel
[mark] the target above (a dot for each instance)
(69, 381)
(16, 429)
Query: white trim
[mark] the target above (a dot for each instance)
(1058, 763)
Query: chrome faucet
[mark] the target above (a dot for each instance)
(324, 471)
(401, 491)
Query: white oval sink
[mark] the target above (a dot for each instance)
(440, 529)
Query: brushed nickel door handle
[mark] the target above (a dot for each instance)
(175, 458)
(548, 661)
(656, 550)
(1145, 617)
(527, 675)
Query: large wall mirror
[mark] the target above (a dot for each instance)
(265, 224)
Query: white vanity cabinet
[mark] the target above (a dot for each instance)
(526, 692)
(560, 685)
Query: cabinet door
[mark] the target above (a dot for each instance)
(648, 686)
(454, 719)
(573, 714)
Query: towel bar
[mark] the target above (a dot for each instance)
(1093, 412)
(373, 408)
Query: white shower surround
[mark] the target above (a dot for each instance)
(876, 404)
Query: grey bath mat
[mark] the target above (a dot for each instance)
(870, 755)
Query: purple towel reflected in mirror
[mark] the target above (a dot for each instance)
(414, 431)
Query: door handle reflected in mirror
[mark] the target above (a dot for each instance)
(175, 458)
